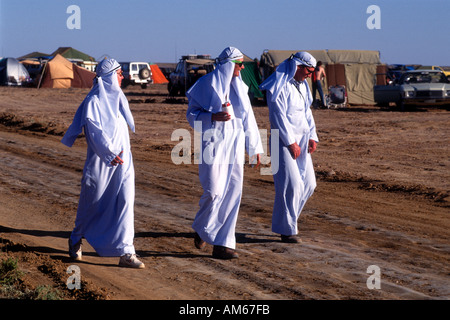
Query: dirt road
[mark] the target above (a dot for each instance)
(382, 200)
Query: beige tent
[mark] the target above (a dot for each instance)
(356, 69)
(270, 59)
(61, 73)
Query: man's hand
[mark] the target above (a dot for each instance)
(117, 160)
(220, 116)
(258, 160)
(312, 146)
(295, 150)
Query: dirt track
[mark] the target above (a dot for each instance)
(382, 199)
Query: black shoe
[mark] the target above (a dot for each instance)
(290, 239)
(225, 253)
(198, 242)
(75, 250)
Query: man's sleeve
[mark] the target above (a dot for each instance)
(196, 113)
(310, 119)
(312, 125)
(253, 138)
(99, 142)
(278, 118)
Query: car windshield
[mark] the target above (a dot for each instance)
(423, 77)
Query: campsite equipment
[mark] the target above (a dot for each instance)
(336, 97)
(13, 73)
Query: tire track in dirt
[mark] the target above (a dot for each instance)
(356, 218)
(267, 268)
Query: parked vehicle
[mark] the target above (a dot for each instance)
(417, 87)
(447, 73)
(395, 71)
(136, 73)
(188, 70)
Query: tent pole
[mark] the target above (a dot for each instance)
(42, 75)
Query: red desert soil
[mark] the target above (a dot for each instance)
(382, 199)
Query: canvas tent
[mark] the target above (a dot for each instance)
(61, 73)
(34, 63)
(157, 75)
(251, 77)
(82, 59)
(34, 68)
(34, 55)
(72, 54)
(13, 73)
(356, 69)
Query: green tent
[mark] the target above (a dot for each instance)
(72, 54)
(252, 78)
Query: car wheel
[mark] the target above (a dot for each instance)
(173, 89)
(401, 105)
(383, 104)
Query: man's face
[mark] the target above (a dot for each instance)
(238, 66)
(119, 76)
(303, 72)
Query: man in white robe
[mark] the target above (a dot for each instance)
(105, 215)
(219, 108)
(289, 99)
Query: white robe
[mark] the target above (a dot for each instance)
(294, 180)
(221, 167)
(105, 215)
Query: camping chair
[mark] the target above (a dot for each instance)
(336, 97)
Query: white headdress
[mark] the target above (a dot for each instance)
(286, 71)
(111, 101)
(213, 89)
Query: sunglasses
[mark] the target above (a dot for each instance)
(308, 72)
(239, 63)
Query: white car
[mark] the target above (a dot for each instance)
(136, 73)
(416, 87)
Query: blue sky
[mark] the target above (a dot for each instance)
(412, 31)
